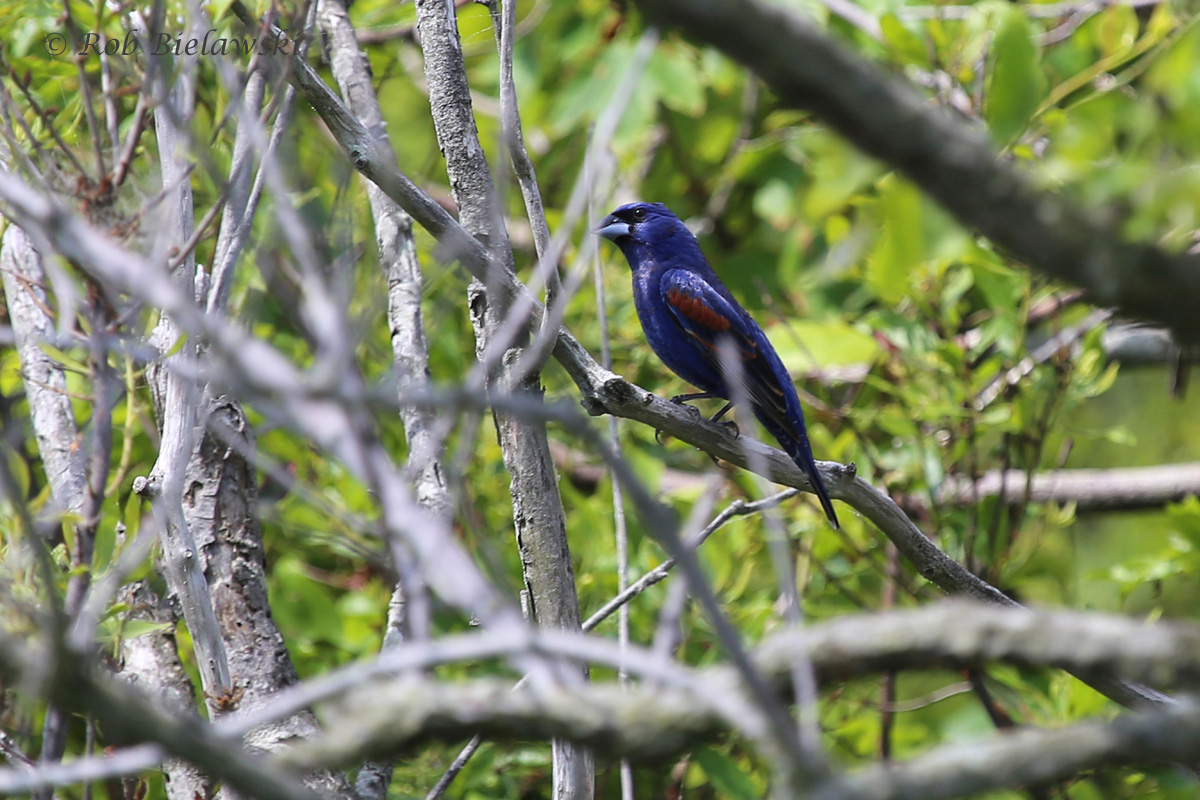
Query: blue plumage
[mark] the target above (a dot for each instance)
(686, 312)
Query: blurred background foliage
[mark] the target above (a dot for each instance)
(894, 320)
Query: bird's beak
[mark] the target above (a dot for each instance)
(612, 228)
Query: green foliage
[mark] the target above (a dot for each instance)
(1017, 84)
(725, 775)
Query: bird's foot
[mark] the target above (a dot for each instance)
(680, 399)
(692, 411)
(732, 427)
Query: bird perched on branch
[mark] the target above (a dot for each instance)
(690, 319)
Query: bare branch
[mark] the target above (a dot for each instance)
(949, 635)
(1034, 10)
(177, 403)
(503, 22)
(1029, 757)
(538, 514)
(1139, 344)
(651, 724)
(13, 752)
(1065, 339)
(644, 722)
(656, 575)
(26, 291)
(398, 258)
(75, 466)
(235, 227)
(1088, 489)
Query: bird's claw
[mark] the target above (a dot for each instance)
(658, 435)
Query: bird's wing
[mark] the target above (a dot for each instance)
(707, 317)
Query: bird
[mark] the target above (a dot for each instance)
(690, 317)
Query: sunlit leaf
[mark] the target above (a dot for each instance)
(1015, 84)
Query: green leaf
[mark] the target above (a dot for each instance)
(1185, 519)
(958, 281)
(677, 79)
(904, 44)
(136, 627)
(900, 249)
(589, 91)
(804, 344)
(725, 774)
(837, 171)
(773, 202)
(1116, 29)
(1017, 84)
(113, 627)
(63, 359)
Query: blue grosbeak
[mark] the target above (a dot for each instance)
(688, 315)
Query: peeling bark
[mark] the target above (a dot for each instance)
(151, 662)
(33, 326)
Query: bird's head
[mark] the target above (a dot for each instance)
(637, 226)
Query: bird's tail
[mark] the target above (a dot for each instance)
(797, 447)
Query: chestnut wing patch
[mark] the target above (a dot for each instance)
(695, 309)
(707, 317)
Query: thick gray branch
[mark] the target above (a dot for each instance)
(176, 400)
(454, 122)
(960, 634)
(655, 722)
(1139, 344)
(385, 715)
(29, 309)
(652, 724)
(151, 662)
(1088, 489)
(537, 505)
(1029, 757)
(646, 722)
(221, 507)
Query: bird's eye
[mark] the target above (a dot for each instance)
(639, 213)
